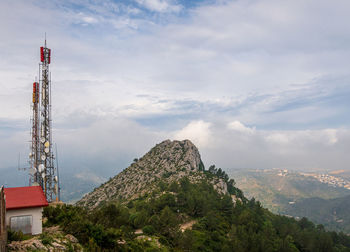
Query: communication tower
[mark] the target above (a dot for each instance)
(43, 171)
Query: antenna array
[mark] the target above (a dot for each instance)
(42, 171)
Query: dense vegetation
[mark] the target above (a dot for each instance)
(333, 213)
(275, 191)
(220, 224)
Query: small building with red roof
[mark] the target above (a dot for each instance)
(24, 207)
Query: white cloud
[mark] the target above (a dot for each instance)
(89, 20)
(293, 149)
(196, 131)
(303, 138)
(160, 5)
(234, 50)
(278, 138)
(238, 126)
(332, 136)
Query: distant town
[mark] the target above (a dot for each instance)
(323, 178)
(332, 180)
(326, 178)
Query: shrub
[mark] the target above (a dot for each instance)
(148, 230)
(16, 236)
(46, 239)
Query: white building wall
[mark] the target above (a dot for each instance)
(35, 212)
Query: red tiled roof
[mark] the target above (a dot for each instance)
(24, 197)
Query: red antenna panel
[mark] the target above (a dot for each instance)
(42, 54)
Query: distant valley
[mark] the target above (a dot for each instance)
(320, 196)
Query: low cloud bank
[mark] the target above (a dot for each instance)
(104, 147)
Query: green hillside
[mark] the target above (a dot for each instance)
(275, 189)
(185, 216)
(334, 214)
(168, 201)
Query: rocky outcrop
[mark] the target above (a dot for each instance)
(167, 161)
(53, 239)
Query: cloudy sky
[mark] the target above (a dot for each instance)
(254, 84)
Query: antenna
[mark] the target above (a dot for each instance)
(41, 157)
(19, 164)
(19, 158)
(23, 168)
(58, 177)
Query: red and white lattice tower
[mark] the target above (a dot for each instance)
(43, 171)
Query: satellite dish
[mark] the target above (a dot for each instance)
(56, 178)
(47, 144)
(41, 167)
(43, 175)
(47, 150)
(42, 139)
(43, 157)
(31, 155)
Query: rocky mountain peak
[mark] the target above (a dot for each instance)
(174, 156)
(168, 160)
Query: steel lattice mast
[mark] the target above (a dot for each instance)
(43, 171)
(35, 148)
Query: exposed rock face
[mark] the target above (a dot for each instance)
(163, 161)
(219, 185)
(167, 161)
(57, 242)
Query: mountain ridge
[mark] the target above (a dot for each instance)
(167, 161)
